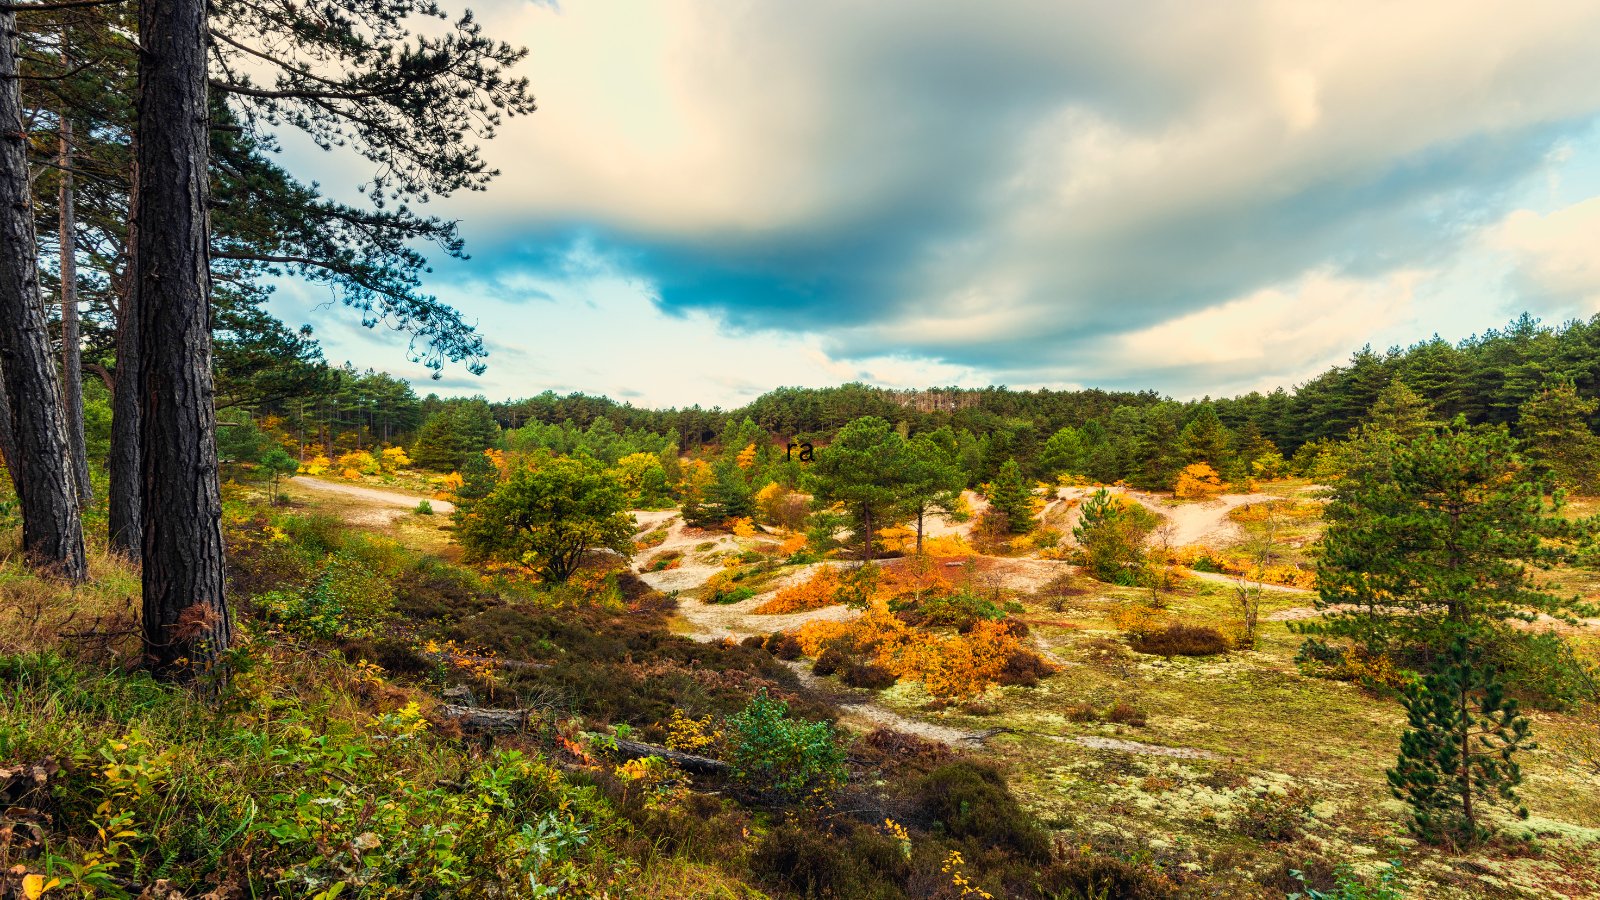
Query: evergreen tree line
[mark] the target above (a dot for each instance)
(1143, 438)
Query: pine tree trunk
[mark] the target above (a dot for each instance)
(71, 344)
(8, 441)
(920, 513)
(185, 613)
(126, 516)
(52, 533)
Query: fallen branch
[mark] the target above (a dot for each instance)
(698, 765)
(489, 721)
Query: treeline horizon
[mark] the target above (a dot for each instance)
(1141, 437)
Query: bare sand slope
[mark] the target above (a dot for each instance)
(1193, 522)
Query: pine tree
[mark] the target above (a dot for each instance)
(1457, 752)
(1400, 411)
(479, 477)
(1556, 438)
(729, 496)
(864, 469)
(932, 479)
(1435, 540)
(1064, 454)
(52, 530)
(1206, 439)
(1010, 495)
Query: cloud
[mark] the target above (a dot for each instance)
(1023, 191)
(1557, 256)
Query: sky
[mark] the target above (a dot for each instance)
(718, 198)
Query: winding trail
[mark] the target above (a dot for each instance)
(733, 621)
(377, 506)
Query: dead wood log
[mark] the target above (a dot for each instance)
(688, 762)
(487, 721)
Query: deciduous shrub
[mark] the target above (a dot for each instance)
(775, 755)
(1181, 640)
(821, 589)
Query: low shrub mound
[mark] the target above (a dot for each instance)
(868, 675)
(969, 800)
(1181, 640)
(830, 661)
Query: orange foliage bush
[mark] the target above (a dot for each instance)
(1198, 480)
(821, 589)
(949, 666)
(1234, 563)
(947, 545)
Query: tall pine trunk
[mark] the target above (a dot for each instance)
(186, 620)
(71, 344)
(52, 532)
(127, 473)
(8, 441)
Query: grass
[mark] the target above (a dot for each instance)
(1267, 729)
(230, 791)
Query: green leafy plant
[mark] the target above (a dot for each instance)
(789, 758)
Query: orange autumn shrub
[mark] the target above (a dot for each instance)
(818, 633)
(1227, 562)
(947, 545)
(1137, 618)
(1199, 481)
(792, 544)
(898, 539)
(821, 589)
(947, 665)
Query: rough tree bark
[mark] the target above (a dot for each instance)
(8, 442)
(186, 620)
(125, 515)
(52, 532)
(71, 343)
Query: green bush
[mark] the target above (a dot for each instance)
(789, 758)
(732, 595)
(424, 508)
(346, 600)
(1350, 886)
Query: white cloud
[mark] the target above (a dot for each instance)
(1049, 192)
(1558, 254)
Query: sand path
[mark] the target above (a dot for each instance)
(373, 506)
